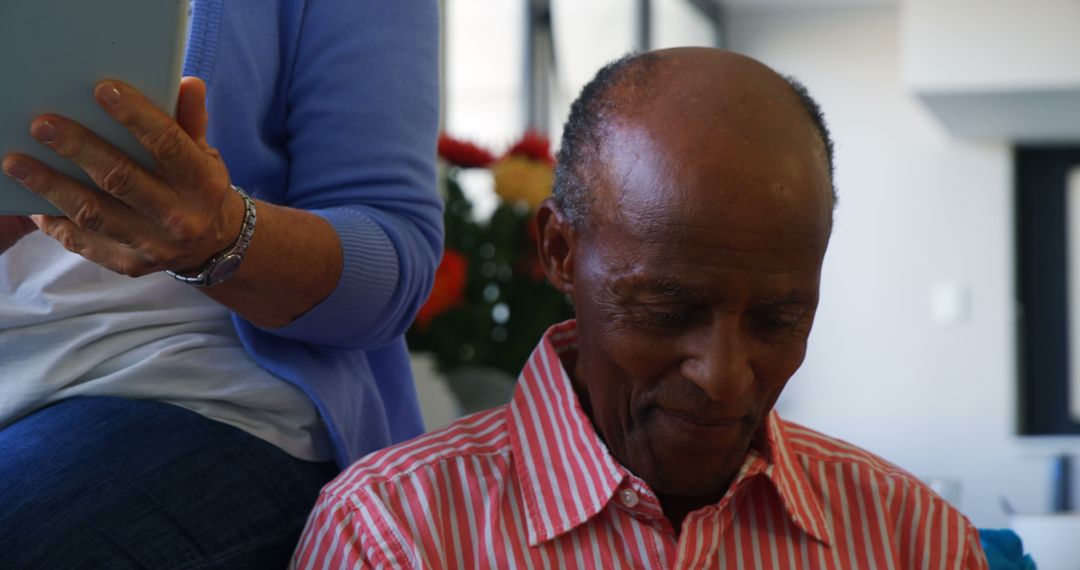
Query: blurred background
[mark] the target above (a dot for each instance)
(942, 338)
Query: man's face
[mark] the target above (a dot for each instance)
(695, 286)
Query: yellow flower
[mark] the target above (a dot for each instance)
(519, 178)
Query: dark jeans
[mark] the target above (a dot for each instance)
(115, 483)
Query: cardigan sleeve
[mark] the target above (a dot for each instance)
(362, 120)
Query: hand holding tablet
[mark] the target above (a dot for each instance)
(176, 216)
(58, 50)
(72, 129)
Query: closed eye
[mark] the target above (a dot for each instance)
(670, 316)
(772, 323)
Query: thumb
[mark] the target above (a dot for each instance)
(191, 112)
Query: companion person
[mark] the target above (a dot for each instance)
(190, 422)
(693, 206)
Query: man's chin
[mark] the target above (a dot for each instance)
(705, 452)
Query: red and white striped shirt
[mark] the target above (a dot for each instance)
(531, 485)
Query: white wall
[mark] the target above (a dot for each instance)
(991, 44)
(917, 208)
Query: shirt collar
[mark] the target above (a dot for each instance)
(567, 475)
(789, 479)
(565, 471)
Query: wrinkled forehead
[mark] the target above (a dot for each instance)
(665, 180)
(707, 136)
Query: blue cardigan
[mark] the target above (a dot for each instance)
(332, 106)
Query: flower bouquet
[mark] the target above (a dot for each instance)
(491, 302)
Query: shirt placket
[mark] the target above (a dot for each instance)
(639, 503)
(704, 529)
(696, 545)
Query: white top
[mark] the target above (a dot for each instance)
(71, 328)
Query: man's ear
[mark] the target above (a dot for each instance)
(556, 245)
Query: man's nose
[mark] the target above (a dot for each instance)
(718, 360)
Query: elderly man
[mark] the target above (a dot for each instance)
(692, 210)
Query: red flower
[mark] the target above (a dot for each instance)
(449, 289)
(535, 146)
(464, 154)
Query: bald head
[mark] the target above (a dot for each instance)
(695, 86)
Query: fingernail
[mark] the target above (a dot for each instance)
(108, 93)
(44, 132)
(17, 170)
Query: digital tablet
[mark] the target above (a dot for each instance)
(53, 53)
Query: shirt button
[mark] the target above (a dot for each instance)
(629, 498)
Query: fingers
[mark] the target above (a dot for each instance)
(191, 112)
(112, 234)
(179, 158)
(88, 209)
(143, 221)
(96, 248)
(109, 168)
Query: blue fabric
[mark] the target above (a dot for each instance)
(332, 107)
(1004, 550)
(114, 483)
